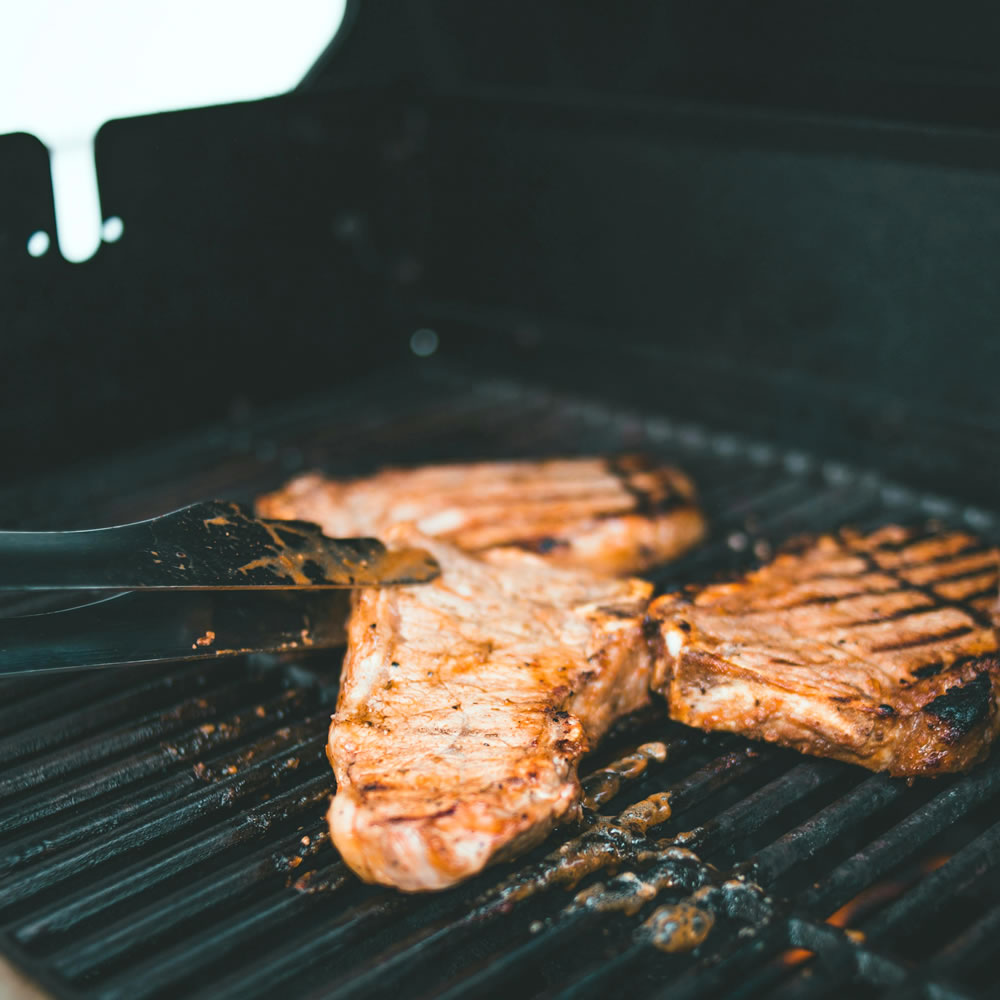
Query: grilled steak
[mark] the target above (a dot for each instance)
(876, 649)
(612, 515)
(466, 703)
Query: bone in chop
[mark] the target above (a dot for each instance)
(876, 649)
(466, 703)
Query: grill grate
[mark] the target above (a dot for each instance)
(162, 834)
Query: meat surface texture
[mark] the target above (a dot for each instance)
(877, 649)
(466, 703)
(612, 515)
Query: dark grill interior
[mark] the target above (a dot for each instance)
(162, 832)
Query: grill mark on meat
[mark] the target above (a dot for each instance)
(647, 503)
(924, 640)
(892, 616)
(823, 599)
(975, 548)
(956, 577)
(913, 537)
(978, 595)
(938, 601)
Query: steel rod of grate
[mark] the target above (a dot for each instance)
(40, 701)
(120, 708)
(871, 795)
(798, 845)
(904, 838)
(866, 866)
(232, 936)
(58, 771)
(113, 783)
(169, 863)
(316, 943)
(717, 974)
(915, 907)
(843, 961)
(921, 902)
(973, 948)
(974, 945)
(210, 949)
(222, 796)
(762, 805)
(223, 888)
(841, 956)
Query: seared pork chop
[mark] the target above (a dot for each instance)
(465, 705)
(876, 649)
(615, 516)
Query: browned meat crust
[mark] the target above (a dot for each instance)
(879, 650)
(465, 705)
(614, 516)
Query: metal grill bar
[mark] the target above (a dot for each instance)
(116, 777)
(804, 841)
(222, 890)
(904, 838)
(162, 835)
(921, 902)
(218, 796)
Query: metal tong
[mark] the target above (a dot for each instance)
(231, 583)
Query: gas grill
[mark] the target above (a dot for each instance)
(163, 831)
(763, 251)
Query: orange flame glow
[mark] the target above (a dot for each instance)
(868, 900)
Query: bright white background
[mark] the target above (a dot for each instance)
(68, 66)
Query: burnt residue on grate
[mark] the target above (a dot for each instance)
(162, 829)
